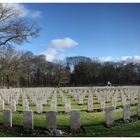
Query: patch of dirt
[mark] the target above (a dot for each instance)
(122, 122)
(40, 131)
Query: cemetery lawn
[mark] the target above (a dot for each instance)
(91, 122)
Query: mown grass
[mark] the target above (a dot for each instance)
(92, 122)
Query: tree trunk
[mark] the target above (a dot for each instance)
(38, 76)
(18, 85)
(28, 78)
(7, 79)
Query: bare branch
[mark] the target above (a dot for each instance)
(13, 29)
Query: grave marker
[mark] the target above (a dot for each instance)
(75, 119)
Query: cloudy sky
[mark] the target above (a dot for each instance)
(107, 31)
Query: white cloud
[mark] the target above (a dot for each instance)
(127, 59)
(62, 44)
(105, 59)
(135, 59)
(53, 55)
(50, 54)
(56, 47)
(23, 11)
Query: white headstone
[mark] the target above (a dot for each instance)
(126, 112)
(7, 118)
(102, 104)
(81, 99)
(51, 120)
(39, 107)
(90, 105)
(75, 119)
(1, 105)
(114, 103)
(25, 105)
(13, 106)
(67, 106)
(53, 106)
(28, 121)
(109, 116)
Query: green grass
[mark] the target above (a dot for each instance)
(91, 122)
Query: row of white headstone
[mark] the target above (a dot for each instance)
(39, 106)
(39, 96)
(28, 119)
(109, 114)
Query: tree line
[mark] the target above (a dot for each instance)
(92, 72)
(24, 69)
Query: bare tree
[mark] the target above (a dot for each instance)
(9, 62)
(13, 28)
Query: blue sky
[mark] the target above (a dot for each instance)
(107, 31)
